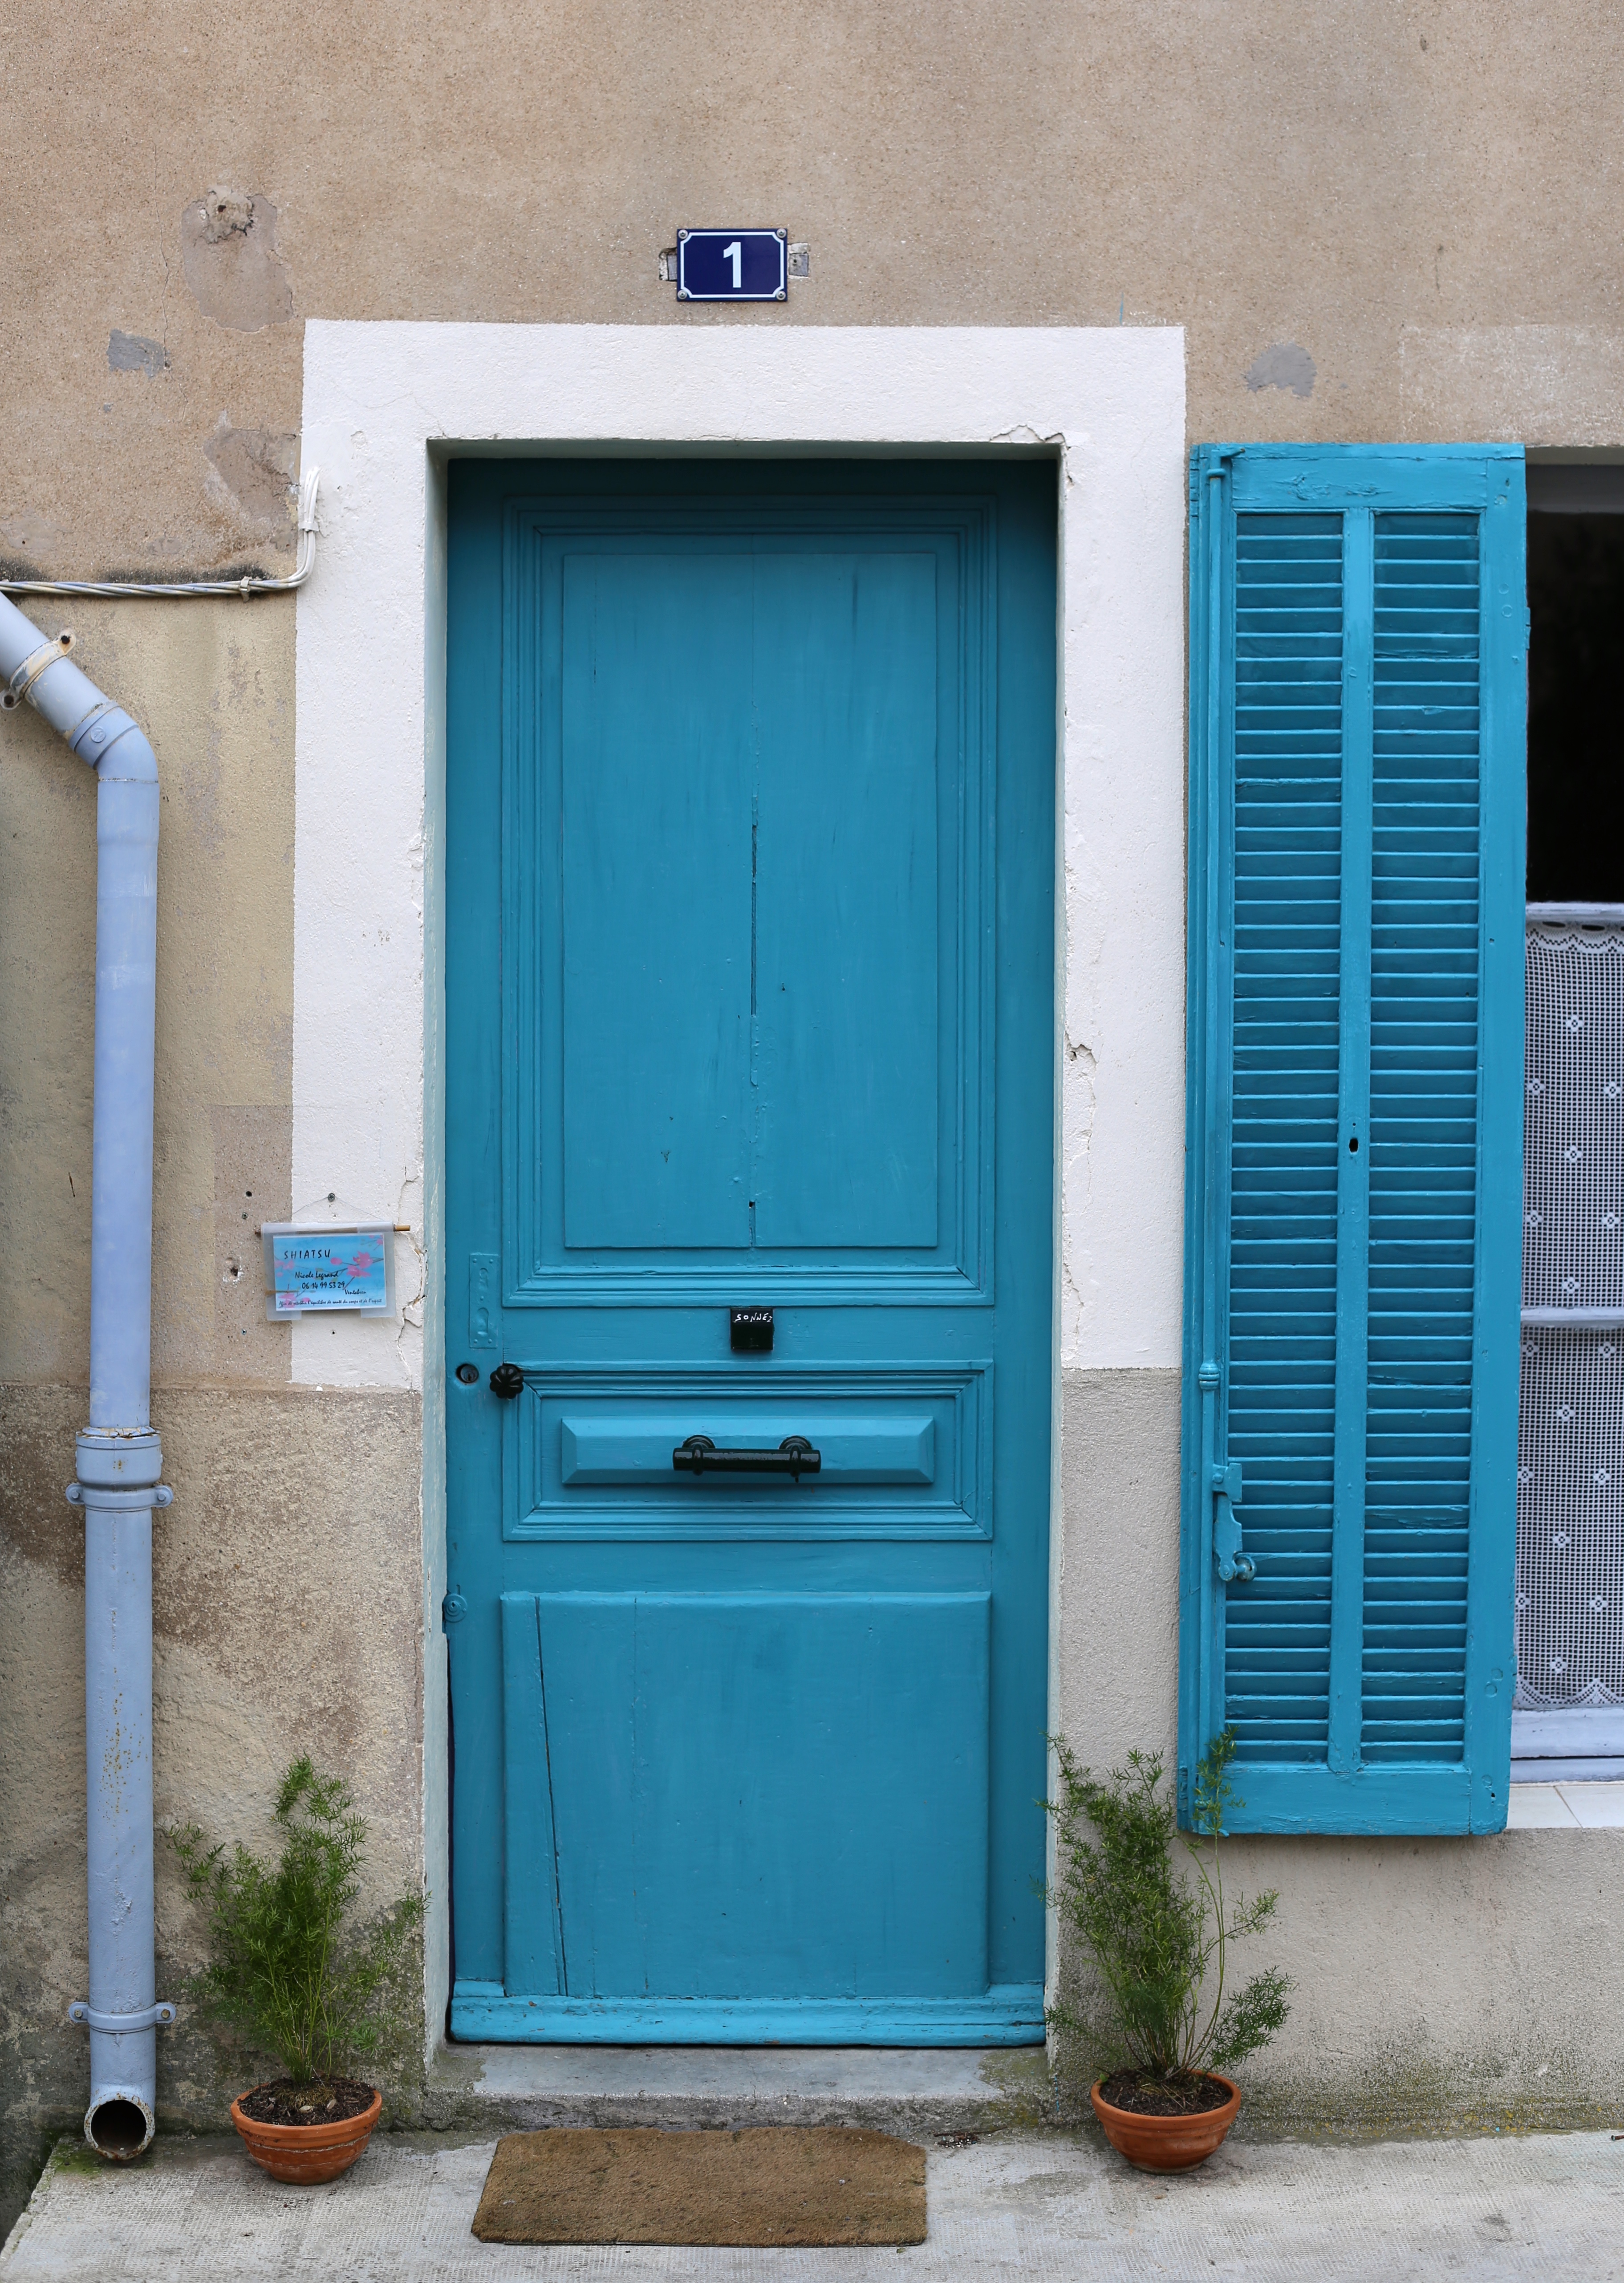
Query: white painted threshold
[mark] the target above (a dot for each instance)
(1565, 1807)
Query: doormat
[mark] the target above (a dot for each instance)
(776, 2184)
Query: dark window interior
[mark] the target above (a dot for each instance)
(1575, 703)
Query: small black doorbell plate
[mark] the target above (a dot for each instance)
(750, 1331)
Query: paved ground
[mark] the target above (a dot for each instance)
(1032, 2205)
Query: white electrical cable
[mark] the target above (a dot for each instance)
(139, 589)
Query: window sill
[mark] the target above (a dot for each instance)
(1566, 1807)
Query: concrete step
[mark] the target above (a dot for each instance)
(909, 2090)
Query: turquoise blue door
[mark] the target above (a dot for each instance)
(750, 1007)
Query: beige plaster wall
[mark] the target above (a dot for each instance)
(1411, 194)
(1375, 218)
(287, 1617)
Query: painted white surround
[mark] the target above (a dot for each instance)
(382, 401)
(385, 405)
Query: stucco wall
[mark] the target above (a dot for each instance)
(1408, 193)
(1370, 220)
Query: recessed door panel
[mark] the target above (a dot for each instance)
(636, 1449)
(898, 1451)
(851, 870)
(749, 848)
(655, 890)
(696, 1752)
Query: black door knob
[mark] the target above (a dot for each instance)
(507, 1381)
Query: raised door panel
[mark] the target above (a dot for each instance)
(656, 786)
(848, 896)
(905, 1452)
(748, 850)
(685, 1814)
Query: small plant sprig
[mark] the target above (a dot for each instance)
(1158, 1940)
(282, 1969)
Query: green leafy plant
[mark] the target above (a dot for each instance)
(283, 1968)
(1159, 1941)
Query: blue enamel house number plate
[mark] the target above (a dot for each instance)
(732, 265)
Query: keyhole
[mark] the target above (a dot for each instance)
(1354, 1144)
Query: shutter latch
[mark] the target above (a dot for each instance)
(1232, 1562)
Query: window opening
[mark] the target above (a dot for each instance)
(1575, 676)
(1569, 1710)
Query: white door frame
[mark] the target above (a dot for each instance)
(385, 406)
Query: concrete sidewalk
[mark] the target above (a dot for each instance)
(1031, 2204)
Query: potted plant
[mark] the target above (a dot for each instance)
(1159, 2015)
(283, 1971)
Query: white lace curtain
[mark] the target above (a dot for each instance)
(1570, 1473)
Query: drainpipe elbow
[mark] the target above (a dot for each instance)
(115, 745)
(36, 670)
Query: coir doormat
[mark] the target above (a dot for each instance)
(777, 2184)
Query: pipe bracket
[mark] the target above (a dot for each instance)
(151, 2017)
(29, 672)
(158, 1494)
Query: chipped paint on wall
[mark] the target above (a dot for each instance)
(134, 353)
(251, 472)
(1283, 366)
(229, 251)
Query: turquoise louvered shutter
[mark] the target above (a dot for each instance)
(1353, 1211)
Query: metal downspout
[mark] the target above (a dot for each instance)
(117, 1457)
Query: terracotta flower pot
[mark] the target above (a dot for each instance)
(306, 2154)
(1166, 2144)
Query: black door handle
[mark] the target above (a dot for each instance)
(507, 1381)
(795, 1457)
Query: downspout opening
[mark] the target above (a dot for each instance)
(120, 2127)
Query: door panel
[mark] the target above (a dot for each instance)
(665, 1880)
(748, 901)
(847, 896)
(750, 977)
(654, 882)
(900, 1450)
